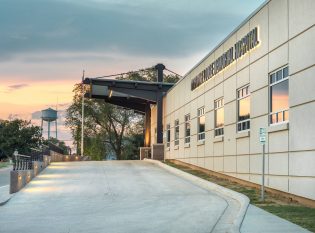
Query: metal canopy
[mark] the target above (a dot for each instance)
(136, 95)
(139, 105)
(139, 89)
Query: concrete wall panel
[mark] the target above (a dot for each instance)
(243, 163)
(278, 164)
(278, 32)
(302, 186)
(302, 163)
(301, 16)
(259, 74)
(302, 127)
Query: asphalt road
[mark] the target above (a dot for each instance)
(5, 176)
(110, 196)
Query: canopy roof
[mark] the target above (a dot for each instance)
(129, 94)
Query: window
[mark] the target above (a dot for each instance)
(279, 96)
(168, 135)
(219, 117)
(243, 109)
(187, 128)
(176, 133)
(201, 123)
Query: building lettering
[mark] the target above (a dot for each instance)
(243, 46)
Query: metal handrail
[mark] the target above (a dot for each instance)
(22, 162)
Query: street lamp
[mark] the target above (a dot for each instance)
(82, 120)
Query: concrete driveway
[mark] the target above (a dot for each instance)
(5, 176)
(110, 196)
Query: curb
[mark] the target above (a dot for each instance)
(4, 195)
(241, 198)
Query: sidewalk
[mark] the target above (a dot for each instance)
(4, 194)
(259, 221)
(5, 175)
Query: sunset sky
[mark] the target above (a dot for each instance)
(45, 44)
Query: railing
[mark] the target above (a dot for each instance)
(22, 162)
(56, 148)
(36, 155)
(25, 162)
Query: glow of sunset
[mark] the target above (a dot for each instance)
(33, 96)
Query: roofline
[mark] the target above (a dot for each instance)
(223, 41)
(131, 81)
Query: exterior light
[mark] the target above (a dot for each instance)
(110, 93)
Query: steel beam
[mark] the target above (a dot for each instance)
(159, 104)
(147, 126)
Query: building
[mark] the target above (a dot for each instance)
(261, 76)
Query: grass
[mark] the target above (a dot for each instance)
(275, 204)
(4, 164)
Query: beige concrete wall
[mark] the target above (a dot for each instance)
(286, 35)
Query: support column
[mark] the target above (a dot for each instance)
(56, 129)
(159, 104)
(41, 128)
(48, 130)
(147, 126)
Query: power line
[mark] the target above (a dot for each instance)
(136, 71)
(121, 74)
(173, 72)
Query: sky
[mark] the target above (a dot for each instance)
(46, 44)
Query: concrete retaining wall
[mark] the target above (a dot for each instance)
(18, 179)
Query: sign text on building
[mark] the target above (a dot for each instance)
(241, 47)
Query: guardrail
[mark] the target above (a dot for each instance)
(22, 162)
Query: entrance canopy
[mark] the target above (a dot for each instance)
(135, 95)
(129, 94)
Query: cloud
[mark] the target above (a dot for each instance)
(156, 28)
(17, 86)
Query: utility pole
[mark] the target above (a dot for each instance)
(82, 120)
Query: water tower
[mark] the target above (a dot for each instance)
(49, 115)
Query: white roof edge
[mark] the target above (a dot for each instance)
(224, 40)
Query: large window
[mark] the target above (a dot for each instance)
(243, 109)
(219, 117)
(279, 96)
(168, 135)
(176, 133)
(201, 123)
(187, 128)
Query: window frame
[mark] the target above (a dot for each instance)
(187, 122)
(176, 130)
(218, 104)
(246, 121)
(200, 113)
(271, 84)
(168, 135)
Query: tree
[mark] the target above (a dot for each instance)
(104, 123)
(18, 135)
(108, 128)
